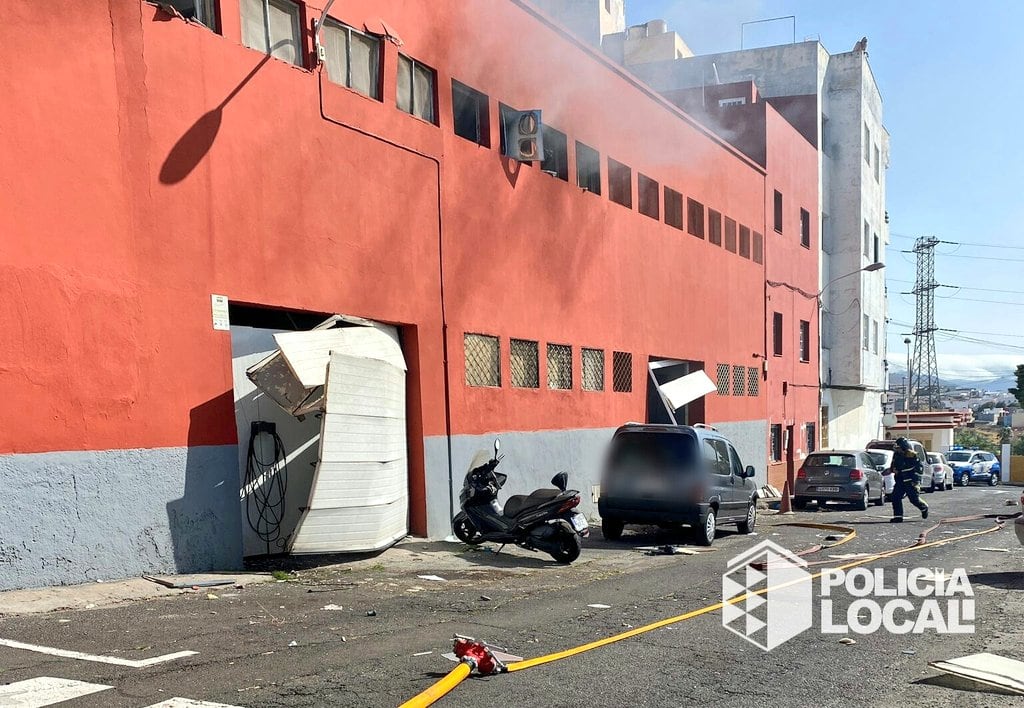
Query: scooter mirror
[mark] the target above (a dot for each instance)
(497, 446)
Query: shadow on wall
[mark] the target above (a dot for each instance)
(205, 523)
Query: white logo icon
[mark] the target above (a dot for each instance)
(767, 620)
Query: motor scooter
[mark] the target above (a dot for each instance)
(541, 521)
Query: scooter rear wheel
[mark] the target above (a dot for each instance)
(465, 530)
(569, 548)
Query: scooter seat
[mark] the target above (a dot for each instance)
(520, 502)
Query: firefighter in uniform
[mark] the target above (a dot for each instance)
(908, 469)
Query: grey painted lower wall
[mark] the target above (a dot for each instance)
(72, 517)
(532, 458)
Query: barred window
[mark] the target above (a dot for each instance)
(723, 379)
(811, 437)
(753, 381)
(559, 366)
(622, 372)
(482, 360)
(523, 362)
(776, 442)
(593, 369)
(739, 379)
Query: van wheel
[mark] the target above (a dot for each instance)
(611, 529)
(707, 527)
(747, 525)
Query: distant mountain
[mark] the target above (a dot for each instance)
(1001, 384)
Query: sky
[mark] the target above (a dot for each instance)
(950, 78)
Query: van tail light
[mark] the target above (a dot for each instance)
(801, 473)
(856, 475)
(569, 504)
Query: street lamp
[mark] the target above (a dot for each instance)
(906, 404)
(870, 268)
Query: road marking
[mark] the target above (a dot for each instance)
(45, 691)
(189, 703)
(132, 663)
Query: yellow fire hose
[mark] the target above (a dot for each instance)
(442, 687)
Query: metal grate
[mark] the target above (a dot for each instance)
(723, 379)
(739, 379)
(753, 381)
(560, 366)
(622, 372)
(482, 360)
(523, 362)
(593, 369)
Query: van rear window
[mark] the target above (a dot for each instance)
(663, 450)
(830, 461)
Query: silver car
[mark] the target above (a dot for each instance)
(838, 475)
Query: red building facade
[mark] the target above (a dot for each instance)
(160, 162)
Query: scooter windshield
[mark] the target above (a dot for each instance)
(479, 460)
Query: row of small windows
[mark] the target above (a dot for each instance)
(483, 365)
(353, 59)
(745, 380)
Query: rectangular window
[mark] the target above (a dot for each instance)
(695, 221)
(812, 437)
(874, 336)
(805, 228)
(877, 248)
(483, 357)
(867, 144)
(272, 27)
(647, 196)
(778, 211)
(202, 11)
(867, 333)
(560, 366)
(723, 372)
(593, 369)
(758, 248)
(753, 381)
(588, 168)
(824, 427)
(353, 58)
(714, 227)
(776, 442)
(556, 153)
(805, 340)
(878, 165)
(739, 380)
(777, 333)
(620, 183)
(416, 90)
(673, 208)
(867, 239)
(730, 234)
(622, 372)
(524, 364)
(745, 241)
(470, 114)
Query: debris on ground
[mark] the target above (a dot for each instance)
(422, 653)
(909, 651)
(211, 596)
(371, 613)
(995, 550)
(435, 578)
(485, 598)
(847, 640)
(834, 537)
(334, 608)
(293, 643)
(599, 606)
(186, 585)
(987, 669)
(768, 492)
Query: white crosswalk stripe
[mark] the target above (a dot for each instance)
(48, 691)
(45, 691)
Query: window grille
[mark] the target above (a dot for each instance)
(739, 375)
(753, 381)
(593, 369)
(559, 366)
(622, 372)
(723, 379)
(482, 360)
(523, 362)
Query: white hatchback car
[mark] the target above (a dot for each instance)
(941, 472)
(883, 461)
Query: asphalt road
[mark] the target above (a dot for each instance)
(343, 657)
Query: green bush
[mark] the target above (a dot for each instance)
(973, 440)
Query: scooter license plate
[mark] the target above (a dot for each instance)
(579, 523)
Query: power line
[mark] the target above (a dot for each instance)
(964, 243)
(980, 258)
(972, 299)
(959, 287)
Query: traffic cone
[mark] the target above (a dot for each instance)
(786, 504)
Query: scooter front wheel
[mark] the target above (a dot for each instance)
(569, 547)
(465, 530)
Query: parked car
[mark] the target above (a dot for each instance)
(883, 461)
(941, 472)
(1018, 525)
(973, 466)
(675, 474)
(889, 447)
(838, 475)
